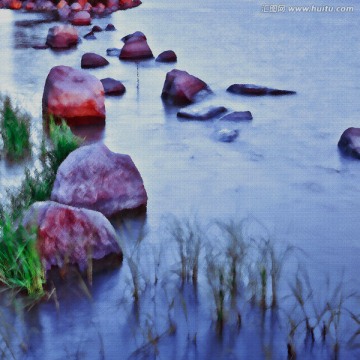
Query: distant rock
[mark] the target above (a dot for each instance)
(75, 6)
(113, 52)
(182, 88)
(167, 56)
(15, 4)
(62, 37)
(95, 178)
(74, 95)
(40, 47)
(135, 47)
(113, 87)
(202, 113)
(81, 18)
(349, 142)
(237, 116)
(128, 4)
(68, 235)
(90, 36)
(227, 135)
(96, 28)
(110, 27)
(255, 90)
(92, 60)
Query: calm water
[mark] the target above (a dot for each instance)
(284, 169)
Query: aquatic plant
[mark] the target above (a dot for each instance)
(15, 130)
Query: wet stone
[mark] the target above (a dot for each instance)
(256, 90)
(206, 113)
(227, 135)
(238, 116)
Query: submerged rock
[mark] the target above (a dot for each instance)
(202, 113)
(182, 88)
(135, 47)
(113, 87)
(255, 90)
(68, 235)
(62, 37)
(74, 95)
(95, 178)
(349, 142)
(237, 116)
(92, 60)
(227, 135)
(167, 56)
(113, 52)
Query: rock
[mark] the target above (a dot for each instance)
(92, 60)
(82, 3)
(68, 235)
(62, 37)
(167, 56)
(349, 142)
(113, 5)
(227, 135)
(201, 114)
(30, 6)
(113, 87)
(95, 178)
(87, 7)
(255, 90)
(110, 27)
(182, 88)
(45, 6)
(61, 4)
(96, 28)
(64, 13)
(40, 47)
(15, 5)
(136, 34)
(113, 52)
(74, 95)
(237, 116)
(76, 7)
(81, 18)
(135, 47)
(90, 36)
(128, 4)
(99, 9)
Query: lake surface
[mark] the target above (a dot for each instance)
(284, 170)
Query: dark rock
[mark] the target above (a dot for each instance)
(92, 60)
(201, 114)
(110, 27)
(136, 34)
(349, 142)
(90, 36)
(255, 90)
(182, 88)
(238, 116)
(227, 135)
(167, 56)
(96, 28)
(68, 235)
(113, 87)
(62, 37)
(74, 95)
(40, 47)
(95, 178)
(113, 52)
(135, 47)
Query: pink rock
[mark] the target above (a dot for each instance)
(167, 56)
(92, 60)
(76, 6)
(62, 37)
(68, 235)
(81, 18)
(87, 7)
(136, 47)
(99, 8)
(128, 4)
(74, 95)
(95, 178)
(181, 88)
(82, 3)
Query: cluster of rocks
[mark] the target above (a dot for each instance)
(78, 13)
(91, 184)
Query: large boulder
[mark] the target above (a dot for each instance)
(113, 87)
(92, 60)
(95, 178)
(182, 88)
(68, 235)
(62, 37)
(256, 90)
(349, 142)
(81, 18)
(135, 47)
(74, 95)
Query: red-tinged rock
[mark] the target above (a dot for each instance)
(128, 4)
(113, 87)
(76, 6)
(95, 178)
(62, 37)
(82, 3)
(112, 4)
(74, 95)
(87, 7)
(99, 9)
(15, 5)
(182, 88)
(68, 235)
(92, 60)
(167, 56)
(136, 48)
(30, 6)
(61, 4)
(81, 18)
(349, 142)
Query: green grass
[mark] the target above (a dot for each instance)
(15, 130)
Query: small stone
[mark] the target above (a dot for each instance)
(96, 28)
(227, 135)
(237, 116)
(90, 36)
(113, 87)
(110, 27)
(202, 113)
(167, 56)
(113, 52)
